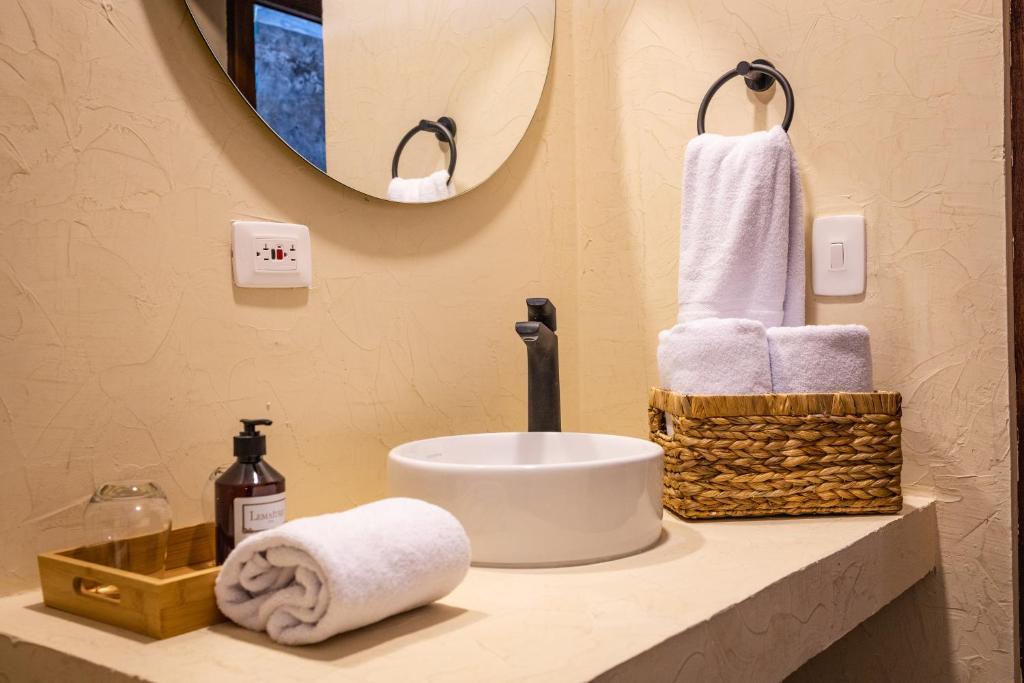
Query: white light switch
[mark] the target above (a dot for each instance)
(835, 256)
(268, 254)
(838, 255)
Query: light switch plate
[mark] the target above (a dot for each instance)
(266, 254)
(838, 255)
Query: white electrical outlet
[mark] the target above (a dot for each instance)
(268, 254)
(274, 253)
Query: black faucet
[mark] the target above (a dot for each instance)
(545, 403)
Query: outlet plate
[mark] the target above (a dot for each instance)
(266, 254)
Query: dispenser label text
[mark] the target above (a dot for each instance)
(258, 514)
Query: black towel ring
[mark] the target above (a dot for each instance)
(443, 129)
(759, 76)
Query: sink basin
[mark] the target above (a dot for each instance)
(539, 499)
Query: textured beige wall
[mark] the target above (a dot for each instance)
(389, 64)
(899, 115)
(124, 349)
(481, 63)
(212, 19)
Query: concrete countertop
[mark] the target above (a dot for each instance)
(746, 600)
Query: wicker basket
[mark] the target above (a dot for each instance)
(779, 454)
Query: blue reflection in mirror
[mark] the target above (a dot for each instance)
(290, 80)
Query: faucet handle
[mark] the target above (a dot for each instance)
(541, 309)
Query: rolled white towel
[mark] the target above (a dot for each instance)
(715, 356)
(816, 359)
(309, 579)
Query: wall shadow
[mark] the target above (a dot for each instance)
(915, 622)
(918, 622)
(302, 192)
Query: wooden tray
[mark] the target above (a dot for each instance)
(174, 601)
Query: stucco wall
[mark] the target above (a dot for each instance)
(899, 115)
(125, 352)
(481, 63)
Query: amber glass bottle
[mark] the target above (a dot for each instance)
(249, 496)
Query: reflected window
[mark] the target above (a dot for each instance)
(276, 57)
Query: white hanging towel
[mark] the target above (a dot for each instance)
(433, 188)
(741, 243)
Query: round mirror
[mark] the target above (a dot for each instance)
(409, 100)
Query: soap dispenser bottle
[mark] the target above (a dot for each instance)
(249, 496)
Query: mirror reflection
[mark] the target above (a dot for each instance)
(410, 100)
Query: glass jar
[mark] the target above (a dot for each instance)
(209, 492)
(128, 524)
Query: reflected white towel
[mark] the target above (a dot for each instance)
(312, 578)
(820, 359)
(433, 188)
(741, 243)
(713, 356)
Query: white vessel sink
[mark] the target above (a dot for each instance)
(540, 498)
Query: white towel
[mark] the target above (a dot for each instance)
(820, 359)
(433, 188)
(713, 356)
(312, 578)
(741, 244)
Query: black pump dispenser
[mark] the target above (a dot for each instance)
(249, 496)
(250, 445)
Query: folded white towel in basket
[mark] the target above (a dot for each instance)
(312, 578)
(820, 359)
(741, 241)
(714, 356)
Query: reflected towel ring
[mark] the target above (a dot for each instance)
(443, 129)
(759, 76)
